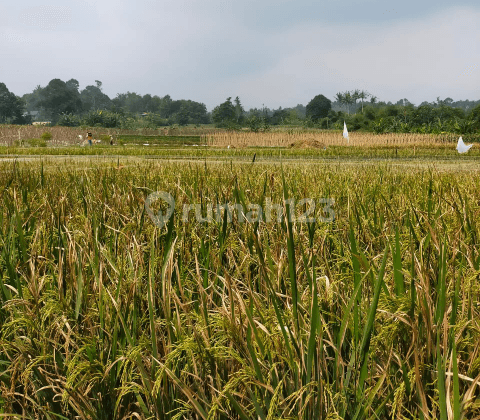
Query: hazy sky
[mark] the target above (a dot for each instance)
(276, 53)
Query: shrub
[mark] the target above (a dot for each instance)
(69, 120)
(46, 135)
(36, 142)
(254, 123)
(103, 118)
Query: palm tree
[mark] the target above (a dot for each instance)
(340, 98)
(363, 95)
(355, 96)
(349, 99)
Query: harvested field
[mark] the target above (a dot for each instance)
(327, 138)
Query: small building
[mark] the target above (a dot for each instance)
(33, 115)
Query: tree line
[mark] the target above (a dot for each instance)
(359, 113)
(63, 103)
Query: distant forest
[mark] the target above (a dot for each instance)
(63, 103)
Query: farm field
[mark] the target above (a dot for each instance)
(367, 308)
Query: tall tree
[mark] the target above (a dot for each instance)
(73, 84)
(345, 98)
(33, 99)
(166, 107)
(318, 107)
(350, 99)
(11, 106)
(340, 98)
(239, 111)
(280, 116)
(58, 98)
(93, 98)
(130, 102)
(355, 97)
(147, 103)
(224, 114)
(363, 95)
(188, 111)
(152, 103)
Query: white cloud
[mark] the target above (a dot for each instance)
(46, 17)
(417, 60)
(205, 52)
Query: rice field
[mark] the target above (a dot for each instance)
(18, 135)
(15, 136)
(373, 313)
(325, 138)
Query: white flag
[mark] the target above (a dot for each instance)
(345, 131)
(462, 147)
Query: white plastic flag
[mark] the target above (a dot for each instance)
(345, 131)
(462, 147)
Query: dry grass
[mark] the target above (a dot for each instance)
(327, 138)
(10, 134)
(14, 134)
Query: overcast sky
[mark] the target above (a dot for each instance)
(267, 52)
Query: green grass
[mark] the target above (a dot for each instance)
(168, 141)
(188, 150)
(103, 315)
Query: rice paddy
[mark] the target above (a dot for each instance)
(324, 138)
(372, 315)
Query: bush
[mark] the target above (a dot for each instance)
(156, 120)
(308, 123)
(69, 120)
(46, 135)
(103, 118)
(254, 123)
(36, 142)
